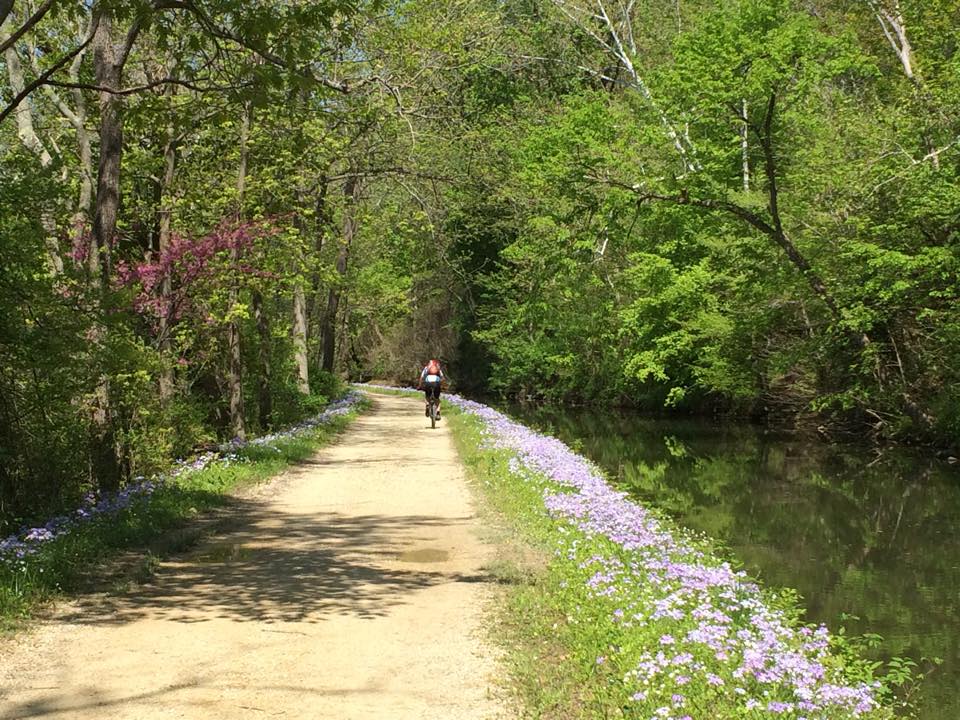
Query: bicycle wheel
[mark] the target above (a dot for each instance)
(433, 414)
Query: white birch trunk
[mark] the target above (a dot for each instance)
(745, 146)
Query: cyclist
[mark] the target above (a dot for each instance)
(431, 378)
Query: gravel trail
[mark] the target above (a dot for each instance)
(353, 586)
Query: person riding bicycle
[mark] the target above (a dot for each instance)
(431, 378)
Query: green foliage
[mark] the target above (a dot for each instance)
(493, 183)
(43, 353)
(291, 405)
(89, 368)
(597, 264)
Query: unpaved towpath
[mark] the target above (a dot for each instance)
(351, 587)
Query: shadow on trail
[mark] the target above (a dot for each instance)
(270, 565)
(93, 697)
(56, 705)
(283, 567)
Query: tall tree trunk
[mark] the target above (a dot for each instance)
(351, 190)
(345, 310)
(108, 74)
(107, 70)
(773, 205)
(300, 339)
(235, 359)
(163, 248)
(23, 113)
(264, 398)
(301, 324)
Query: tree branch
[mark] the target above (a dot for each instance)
(72, 117)
(362, 173)
(565, 9)
(6, 6)
(683, 198)
(219, 32)
(773, 231)
(24, 114)
(23, 94)
(932, 155)
(133, 32)
(31, 21)
(149, 86)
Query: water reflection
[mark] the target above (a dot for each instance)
(869, 540)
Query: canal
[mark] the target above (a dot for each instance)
(871, 540)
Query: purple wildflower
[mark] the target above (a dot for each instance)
(666, 579)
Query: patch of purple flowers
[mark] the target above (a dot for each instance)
(29, 540)
(705, 625)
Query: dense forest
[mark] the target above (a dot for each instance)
(211, 211)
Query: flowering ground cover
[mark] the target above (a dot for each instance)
(38, 561)
(645, 619)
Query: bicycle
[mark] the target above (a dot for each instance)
(432, 382)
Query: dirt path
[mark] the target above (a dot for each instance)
(351, 587)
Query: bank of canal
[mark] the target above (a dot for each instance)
(870, 541)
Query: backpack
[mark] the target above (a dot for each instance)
(433, 367)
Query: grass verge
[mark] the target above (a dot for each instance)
(64, 565)
(545, 676)
(609, 629)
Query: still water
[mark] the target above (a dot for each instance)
(871, 541)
